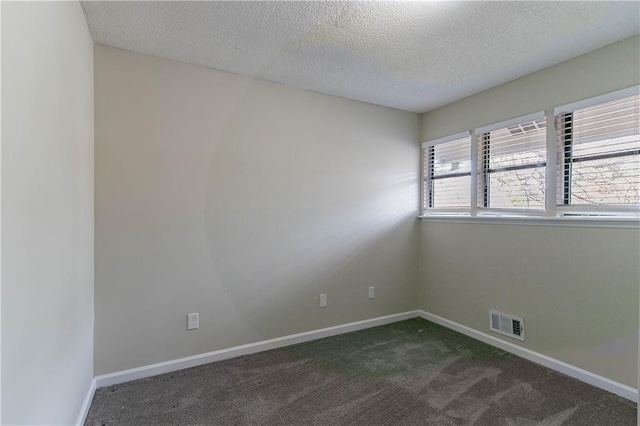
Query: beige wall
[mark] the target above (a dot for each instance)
(47, 212)
(576, 288)
(242, 200)
(605, 70)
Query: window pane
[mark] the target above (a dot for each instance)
(518, 145)
(444, 167)
(452, 157)
(613, 181)
(452, 192)
(606, 146)
(522, 189)
(613, 119)
(605, 162)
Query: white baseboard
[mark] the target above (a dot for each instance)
(86, 404)
(251, 348)
(570, 370)
(179, 364)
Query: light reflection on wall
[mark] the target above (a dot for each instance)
(307, 200)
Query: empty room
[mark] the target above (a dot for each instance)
(320, 212)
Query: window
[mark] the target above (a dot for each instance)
(518, 168)
(447, 174)
(600, 156)
(513, 161)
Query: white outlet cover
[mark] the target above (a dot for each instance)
(323, 300)
(372, 292)
(193, 321)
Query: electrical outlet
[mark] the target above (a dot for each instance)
(372, 292)
(323, 300)
(193, 321)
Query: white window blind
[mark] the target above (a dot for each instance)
(504, 168)
(447, 179)
(512, 164)
(600, 154)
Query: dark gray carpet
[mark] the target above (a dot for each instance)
(408, 373)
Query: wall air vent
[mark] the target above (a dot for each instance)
(508, 325)
(530, 126)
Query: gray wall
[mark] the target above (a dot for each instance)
(576, 288)
(242, 200)
(47, 212)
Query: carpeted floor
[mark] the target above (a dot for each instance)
(408, 373)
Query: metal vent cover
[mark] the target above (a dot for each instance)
(508, 325)
(530, 126)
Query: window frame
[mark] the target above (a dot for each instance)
(554, 213)
(428, 178)
(483, 180)
(565, 146)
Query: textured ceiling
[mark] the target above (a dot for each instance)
(413, 56)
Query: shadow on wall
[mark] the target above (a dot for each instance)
(299, 204)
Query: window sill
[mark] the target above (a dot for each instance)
(573, 221)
